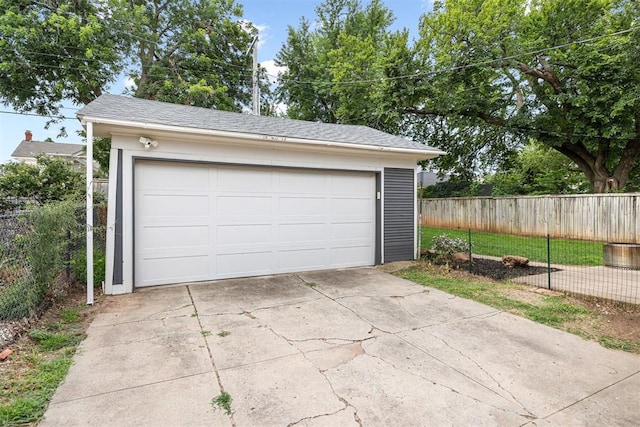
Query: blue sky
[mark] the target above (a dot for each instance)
(272, 18)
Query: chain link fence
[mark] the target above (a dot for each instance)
(43, 251)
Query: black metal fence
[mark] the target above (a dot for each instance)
(597, 269)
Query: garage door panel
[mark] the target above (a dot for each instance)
(244, 205)
(300, 182)
(350, 256)
(302, 232)
(244, 234)
(350, 231)
(177, 205)
(310, 206)
(358, 184)
(244, 264)
(251, 180)
(170, 237)
(349, 207)
(238, 222)
(191, 176)
(175, 269)
(302, 259)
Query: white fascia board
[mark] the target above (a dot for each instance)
(422, 154)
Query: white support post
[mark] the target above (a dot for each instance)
(89, 213)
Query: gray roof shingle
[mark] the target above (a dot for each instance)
(34, 148)
(137, 110)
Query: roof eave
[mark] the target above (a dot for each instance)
(422, 154)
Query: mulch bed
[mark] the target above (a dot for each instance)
(494, 269)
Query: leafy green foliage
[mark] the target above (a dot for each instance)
(444, 246)
(539, 169)
(51, 341)
(338, 71)
(191, 52)
(52, 51)
(51, 179)
(79, 266)
(38, 255)
(562, 72)
(223, 402)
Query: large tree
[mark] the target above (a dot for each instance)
(498, 72)
(184, 51)
(338, 70)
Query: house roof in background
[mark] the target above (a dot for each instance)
(141, 111)
(35, 148)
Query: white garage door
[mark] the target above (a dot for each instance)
(199, 222)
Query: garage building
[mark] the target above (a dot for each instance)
(197, 194)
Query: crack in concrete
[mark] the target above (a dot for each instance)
(402, 307)
(515, 399)
(346, 307)
(295, 423)
(211, 359)
(344, 401)
(587, 397)
(282, 305)
(119, 390)
(149, 317)
(453, 390)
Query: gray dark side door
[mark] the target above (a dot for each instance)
(399, 199)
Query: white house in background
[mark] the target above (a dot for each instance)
(427, 178)
(28, 150)
(197, 194)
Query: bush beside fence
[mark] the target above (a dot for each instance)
(39, 249)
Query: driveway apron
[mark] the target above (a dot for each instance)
(353, 347)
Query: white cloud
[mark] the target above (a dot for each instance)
(273, 70)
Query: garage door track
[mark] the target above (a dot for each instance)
(335, 348)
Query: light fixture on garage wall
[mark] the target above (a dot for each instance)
(147, 142)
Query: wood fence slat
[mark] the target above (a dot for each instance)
(596, 217)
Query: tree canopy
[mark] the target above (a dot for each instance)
(563, 72)
(338, 71)
(50, 179)
(484, 78)
(191, 52)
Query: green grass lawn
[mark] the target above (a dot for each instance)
(32, 374)
(555, 310)
(567, 252)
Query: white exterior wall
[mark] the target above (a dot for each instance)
(184, 147)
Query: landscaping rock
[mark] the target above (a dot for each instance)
(460, 257)
(514, 261)
(5, 354)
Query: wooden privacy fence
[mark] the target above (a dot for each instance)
(596, 217)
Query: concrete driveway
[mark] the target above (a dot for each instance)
(335, 348)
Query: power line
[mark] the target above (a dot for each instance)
(17, 113)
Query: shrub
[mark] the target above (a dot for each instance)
(35, 256)
(79, 267)
(444, 246)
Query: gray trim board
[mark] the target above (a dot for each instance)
(118, 256)
(378, 254)
(399, 214)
